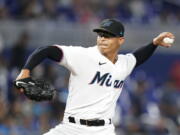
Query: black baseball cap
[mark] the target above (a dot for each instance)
(111, 26)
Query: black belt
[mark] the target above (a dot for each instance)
(94, 122)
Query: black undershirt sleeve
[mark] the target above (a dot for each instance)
(52, 52)
(143, 53)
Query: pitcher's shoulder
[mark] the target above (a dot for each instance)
(127, 56)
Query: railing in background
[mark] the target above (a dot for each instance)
(46, 32)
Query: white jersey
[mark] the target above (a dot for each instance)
(95, 82)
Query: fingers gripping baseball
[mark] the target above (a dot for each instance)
(164, 39)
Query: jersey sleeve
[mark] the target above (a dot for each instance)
(131, 62)
(72, 57)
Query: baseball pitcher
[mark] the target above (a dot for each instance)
(96, 81)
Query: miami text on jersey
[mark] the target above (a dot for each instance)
(106, 79)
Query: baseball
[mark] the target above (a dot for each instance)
(168, 40)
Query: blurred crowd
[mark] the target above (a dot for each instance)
(145, 107)
(83, 11)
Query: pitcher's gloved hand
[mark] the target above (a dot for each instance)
(35, 89)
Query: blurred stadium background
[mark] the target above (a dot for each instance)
(150, 101)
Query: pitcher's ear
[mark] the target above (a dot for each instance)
(121, 40)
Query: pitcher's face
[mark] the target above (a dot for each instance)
(108, 44)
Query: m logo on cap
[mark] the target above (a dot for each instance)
(107, 23)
